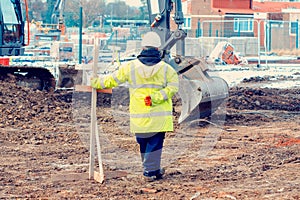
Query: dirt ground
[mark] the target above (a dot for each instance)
(250, 152)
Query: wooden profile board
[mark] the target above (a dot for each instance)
(86, 88)
(72, 176)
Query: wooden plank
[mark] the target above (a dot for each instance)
(69, 177)
(73, 176)
(94, 134)
(100, 178)
(109, 175)
(93, 117)
(86, 88)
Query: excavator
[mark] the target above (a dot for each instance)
(13, 42)
(201, 94)
(55, 30)
(14, 39)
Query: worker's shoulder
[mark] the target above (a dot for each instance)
(128, 64)
(168, 65)
(132, 63)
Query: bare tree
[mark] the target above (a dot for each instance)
(37, 10)
(93, 10)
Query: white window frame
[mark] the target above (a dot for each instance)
(187, 25)
(238, 21)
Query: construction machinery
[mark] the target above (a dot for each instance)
(12, 43)
(36, 71)
(201, 94)
(55, 30)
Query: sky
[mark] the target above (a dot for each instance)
(136, 3)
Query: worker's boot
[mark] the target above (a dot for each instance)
(158, 176)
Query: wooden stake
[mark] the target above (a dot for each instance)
(101, 173)
(94, 134)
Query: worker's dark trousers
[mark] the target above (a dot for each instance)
(151, 145)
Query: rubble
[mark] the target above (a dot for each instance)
(264, 99)
(20, 105)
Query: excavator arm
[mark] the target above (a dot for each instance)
(200, 93)
(57, 16)
(160, 20)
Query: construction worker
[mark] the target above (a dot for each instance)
(152, 84)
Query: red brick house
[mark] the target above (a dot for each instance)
(230, 18)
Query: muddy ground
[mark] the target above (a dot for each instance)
(250, 152)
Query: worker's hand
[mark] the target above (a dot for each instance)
(95, 82)
(148, 101)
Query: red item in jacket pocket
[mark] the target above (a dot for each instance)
(148, 101)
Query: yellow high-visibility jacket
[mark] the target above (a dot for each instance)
(159, 81)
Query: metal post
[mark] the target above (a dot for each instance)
(270, 48)
(239, 29)
(80, 35)
(198, 29)
(116, 38)
(297, 34)
(267, 41)
(258, 42)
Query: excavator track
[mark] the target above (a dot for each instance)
(33, 77)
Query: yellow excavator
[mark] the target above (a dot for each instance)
(201, 94)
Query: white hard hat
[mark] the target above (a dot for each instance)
(151, 39)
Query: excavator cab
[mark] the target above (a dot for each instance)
(200, 93)
(12, 22)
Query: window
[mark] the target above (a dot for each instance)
(294, 26)
(187, 23)
(11, 25)
(243, 25)
(9, 14)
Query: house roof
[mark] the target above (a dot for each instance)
(274, 6)
(263, 7)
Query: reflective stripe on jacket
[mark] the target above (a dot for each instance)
(159, 81)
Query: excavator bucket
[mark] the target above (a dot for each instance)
(200, 93)
(67, 76)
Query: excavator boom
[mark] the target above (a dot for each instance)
(200, 93)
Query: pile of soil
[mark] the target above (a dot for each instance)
(247, 105)
(21, 105)
(264, 99)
